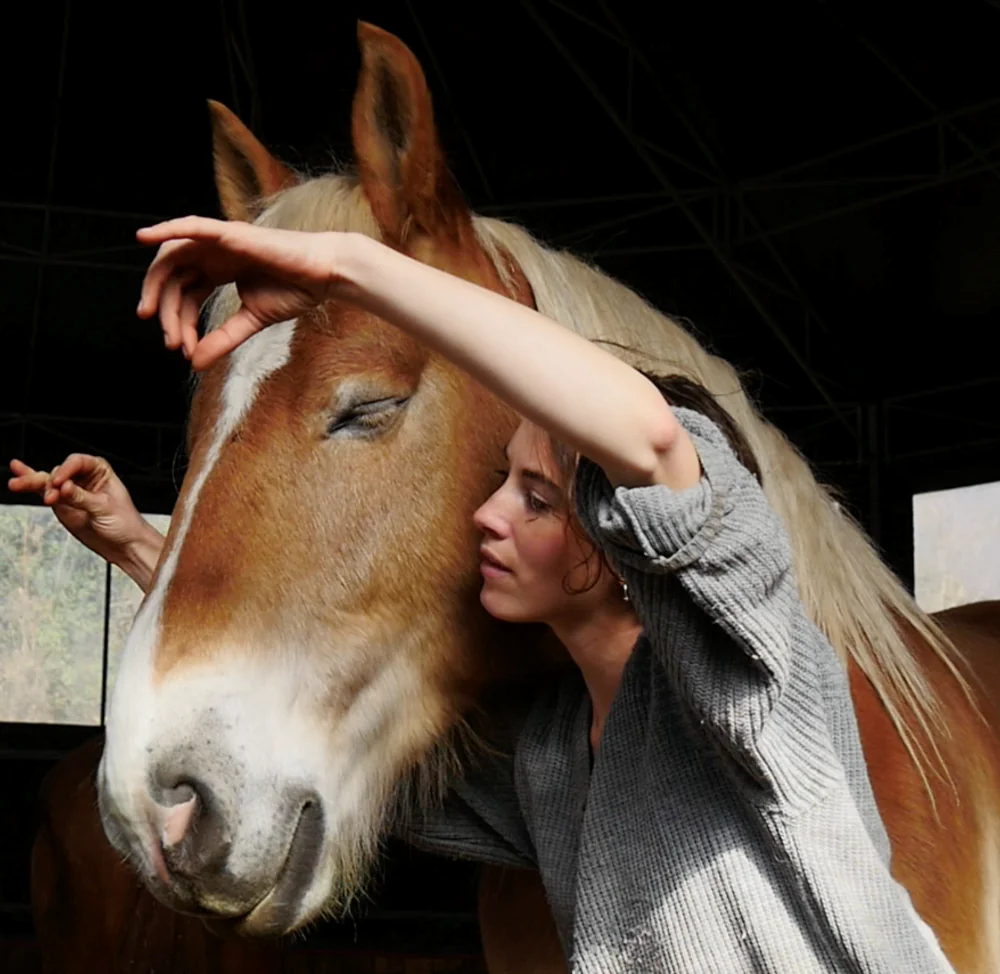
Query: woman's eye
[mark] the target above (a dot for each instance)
(537, 505)
(502, 474)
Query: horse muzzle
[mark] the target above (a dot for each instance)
(203, 854)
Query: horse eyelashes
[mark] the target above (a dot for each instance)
(367, 417)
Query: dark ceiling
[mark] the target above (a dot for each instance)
(815, 185)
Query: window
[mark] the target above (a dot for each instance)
(54, 595)
(956, 546)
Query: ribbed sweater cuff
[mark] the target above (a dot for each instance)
(656, 528)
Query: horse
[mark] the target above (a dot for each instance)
(311, 658)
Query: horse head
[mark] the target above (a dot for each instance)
(313, 631)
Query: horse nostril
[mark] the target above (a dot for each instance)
(180, 817)
(193, 835)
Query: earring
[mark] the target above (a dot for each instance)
(624, 585)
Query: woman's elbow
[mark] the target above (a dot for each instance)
(673, 459)
(661, 453)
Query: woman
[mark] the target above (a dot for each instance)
(695, 795)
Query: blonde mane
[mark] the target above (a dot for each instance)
(846, 588)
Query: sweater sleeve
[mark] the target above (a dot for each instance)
(710, 574)
(479, 819)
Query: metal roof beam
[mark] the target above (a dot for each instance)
(721, 175)
(50, 181)
(901, 77)
(954, 175)
(702, 231)
(855, 147)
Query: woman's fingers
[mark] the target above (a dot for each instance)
(224, 339)
(60, 486)
(280, 252)
(190, 314)
(171, 256)
(185, 227)
(73, 494)
(170, 302)
(35, 482)
(156, 276)
(172, 312)
(177, 293)
(278, 271)
(80, 465)
(28, 480)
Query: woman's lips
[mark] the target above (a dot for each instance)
(491, 566)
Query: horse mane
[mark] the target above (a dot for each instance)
(847, 590)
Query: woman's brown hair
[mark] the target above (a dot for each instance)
(678, 390)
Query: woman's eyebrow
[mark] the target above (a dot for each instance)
(534, 475)
(540, 478)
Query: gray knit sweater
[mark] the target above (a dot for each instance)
(727, 823)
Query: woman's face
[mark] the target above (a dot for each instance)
(530, 558)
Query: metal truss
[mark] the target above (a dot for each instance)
(966, 408)
(701, 228)
(900, 435)
(68, 237)
(730, 237)
(146, 453)
(44, 251)
(36, 312)
(873, 189)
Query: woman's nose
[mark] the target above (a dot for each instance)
(489, 517)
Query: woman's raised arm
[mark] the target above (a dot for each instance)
(580, 393)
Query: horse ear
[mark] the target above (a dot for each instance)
(246, 174)
(402, 167)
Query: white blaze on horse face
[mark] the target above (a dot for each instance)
(262, 725)
(136, 711)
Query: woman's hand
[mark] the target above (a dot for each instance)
(279, 275)
(93, 504)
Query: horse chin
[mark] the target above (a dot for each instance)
(317, 877)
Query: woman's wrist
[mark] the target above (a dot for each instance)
(355, 258)
(140, 556)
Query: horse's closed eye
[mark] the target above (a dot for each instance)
(366, 418)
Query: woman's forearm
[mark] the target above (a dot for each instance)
(139, 558)
(583, 395)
